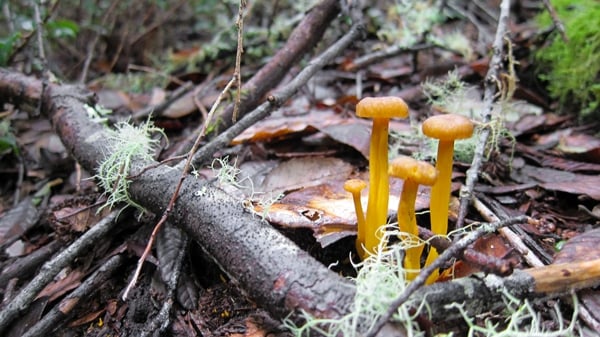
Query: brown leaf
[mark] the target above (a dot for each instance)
(556, 180)
(62, 286)
(304, 172)
(583, 247)
(583, 146)
(327, 209)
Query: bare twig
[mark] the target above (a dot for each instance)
(52, 267)
(92, 45)
(556, 20)
(454, 250)
(237, 74)
(173, 199)
(52, 320)
(509, 235)
(491, 81)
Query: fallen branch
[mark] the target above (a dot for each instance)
(52, 320)
(53, 267)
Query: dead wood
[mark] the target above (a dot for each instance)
(268, 266)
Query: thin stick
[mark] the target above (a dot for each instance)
(454, 250)
(237, 74)
(514, 239)
(175, 194)
(555, 19)
(491, 81)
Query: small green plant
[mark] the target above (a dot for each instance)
(571, 68)
(8, 141)
(128, 146)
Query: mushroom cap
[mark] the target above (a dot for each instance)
(448, 127)
(382, 107)
(408, 168)
(354, 185)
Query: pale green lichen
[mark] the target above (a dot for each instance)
(127, 146)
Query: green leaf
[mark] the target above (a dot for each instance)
(62, 28)
(6, 47)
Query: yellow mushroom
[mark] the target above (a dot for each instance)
(447, 128)
(380, 109)
(355, 186)
(414, 173)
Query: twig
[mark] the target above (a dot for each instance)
(509, 235)
(557, 22)
(491, 81)
(237, 74)
(92, 45)
(53, 267)
(389, 52)
(279, 97)
(454, 250)
(41, 52)
(184, 174)
(51, 321)
(173, 199)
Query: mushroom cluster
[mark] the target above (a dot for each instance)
(446, 128)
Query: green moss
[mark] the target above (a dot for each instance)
(572, 68)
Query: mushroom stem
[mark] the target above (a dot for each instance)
(355, 186)
(377, 207)
(407, 223)
(414, 173)
(440, 198)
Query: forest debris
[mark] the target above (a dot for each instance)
(556, 180)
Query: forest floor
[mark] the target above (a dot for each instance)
(166, 63)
